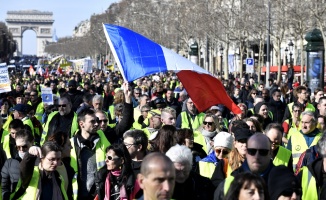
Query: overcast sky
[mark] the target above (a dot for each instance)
(66, 14)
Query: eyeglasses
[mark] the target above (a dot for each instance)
(33, 95)
(62, 105)
(296, 110)
(104, 120)
(112, 158)
(261, 152)
(129, 145)
(224, 152)
(209, 123)
(22, 147)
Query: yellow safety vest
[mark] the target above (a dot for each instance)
(282, 157)
(30, 124)
(227, 184)
(194, 123)
(5, 126)
(299, 145)
(6, 145)
(39, 111)
(308, 184)
(74, 126)
(200, 139)
(32, 189)
(100, 150)
(206, 169)
(111, 110)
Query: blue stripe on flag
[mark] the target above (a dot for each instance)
(138, 55)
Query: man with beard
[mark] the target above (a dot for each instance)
(189, 117)
(87, 154)
(75, 95)
(276, 106)
(65, 119)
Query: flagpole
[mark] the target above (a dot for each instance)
(268, 44)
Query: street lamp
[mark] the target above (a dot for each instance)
(286, 55)
(291, 50)
(221, 53)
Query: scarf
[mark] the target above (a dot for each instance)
(208, 135)
(123, 193)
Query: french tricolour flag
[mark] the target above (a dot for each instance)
(138, 56)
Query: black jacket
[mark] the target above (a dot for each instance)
(10, 176)
(100, 178)
(278, 109)
(196, 187)
(219, 191)
(115, 134)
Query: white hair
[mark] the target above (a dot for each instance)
(180, 154)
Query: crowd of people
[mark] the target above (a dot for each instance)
(103, 138)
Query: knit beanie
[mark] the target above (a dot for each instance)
(281, 178)
(223, 139)
(257, 107)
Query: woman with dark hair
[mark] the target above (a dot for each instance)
(261, 109)
(254, 125)
(165, 139)
(251, 97)
(185, 136)
(116, 180)
(41, 181)
(247, 186)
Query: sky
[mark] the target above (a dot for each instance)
(66, 14)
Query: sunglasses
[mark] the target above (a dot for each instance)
(104, 120)
(224, 152)
(261, 152)
(22, 147)
(209, 123)
(112, 158)
(62, 105)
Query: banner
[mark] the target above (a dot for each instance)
(4, 78)
(47, 96)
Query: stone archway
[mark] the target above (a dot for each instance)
(40, 22)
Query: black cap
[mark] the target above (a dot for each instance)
(72, 83)
(241, 133)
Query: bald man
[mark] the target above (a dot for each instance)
(157, 177)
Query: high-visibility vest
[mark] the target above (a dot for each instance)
(227, 184)
(309, 107)
(206, 169)
(32, 189)
(293, 128)
(111, 111)
(39, 111)
(74, 126)
(200, 139)
(299, 145)
(282, 157)
(6, 145)
(308, 184)
(30, 124)
(100, 151)
(194, 123)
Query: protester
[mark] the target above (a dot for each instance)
(157, 166)
(188, 184)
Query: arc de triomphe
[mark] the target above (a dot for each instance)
(39, 22)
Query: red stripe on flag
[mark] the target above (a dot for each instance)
(206, 91)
